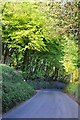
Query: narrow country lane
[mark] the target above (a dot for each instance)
(46, 104)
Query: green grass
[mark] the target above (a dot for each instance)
(74, 89)
(14, 89)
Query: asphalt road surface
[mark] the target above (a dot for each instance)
(46, 104)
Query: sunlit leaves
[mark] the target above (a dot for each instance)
(41, 36)
(71, 53)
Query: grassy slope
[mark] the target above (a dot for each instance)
(73, 90)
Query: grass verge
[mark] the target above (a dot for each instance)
(73, 90)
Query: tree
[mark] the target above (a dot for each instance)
(37, 38)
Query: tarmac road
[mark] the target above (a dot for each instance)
(46, 104)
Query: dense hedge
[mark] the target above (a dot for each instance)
(9, 74)
(14, 89)
(13, 94)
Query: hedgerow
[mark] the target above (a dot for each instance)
(14, 88)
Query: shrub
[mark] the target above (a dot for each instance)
(14, 89)
(13, 94)
(9, 73)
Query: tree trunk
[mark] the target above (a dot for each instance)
(25, 59)
(56, 73)
(6, 52)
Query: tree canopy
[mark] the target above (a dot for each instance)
(41, 38)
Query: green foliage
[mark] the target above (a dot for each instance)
(15, 93)
(71, 53)
(40, 38)
(38, 84)
(9, 74)
(73, 89)
(14, 89)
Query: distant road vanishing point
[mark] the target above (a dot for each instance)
(46, 104)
